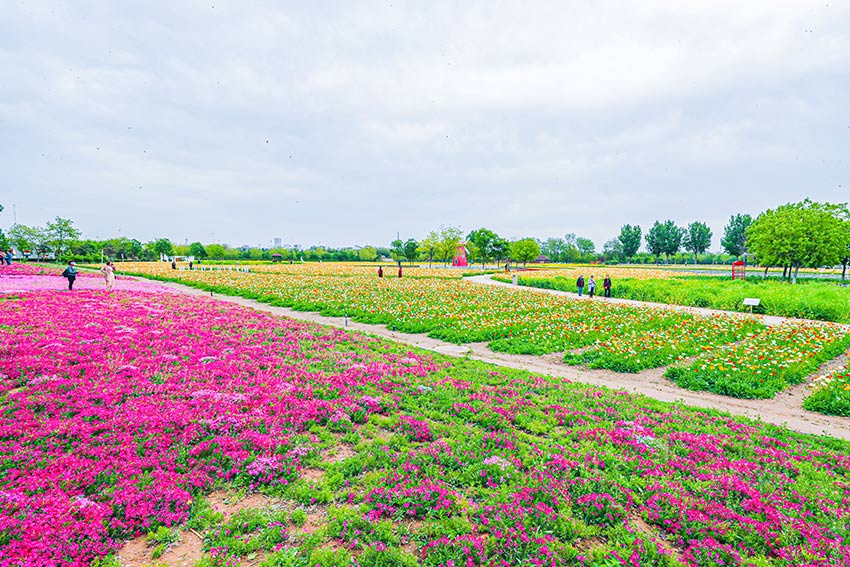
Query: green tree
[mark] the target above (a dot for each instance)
(796, 235)
(216, 251)
(411, 250)
(586, 248)
(483, 239)
(697, 238)
(664, 238)
(397, 250)
(197, 250)
(500, 250)
(734, 239)
(449, 238)
(368, 254)
(162, 247)
(524, 250)
(428, 247)
(60, 233)
(630, 240)
(613, 250)
(554, 248)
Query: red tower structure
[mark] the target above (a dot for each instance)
(460, 257)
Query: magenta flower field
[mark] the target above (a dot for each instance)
(121, 412)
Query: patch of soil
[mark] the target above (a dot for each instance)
(183, 553)
(638, 523)
(312, 475)
(383, 434)
(338, 454)
(588, 543)
(315, 520)
(227, 504)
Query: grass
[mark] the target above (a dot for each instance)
(808, 299)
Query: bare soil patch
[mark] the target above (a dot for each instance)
(229, 504)
(312, 475)
(338, 454)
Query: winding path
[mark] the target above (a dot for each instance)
(785, 409)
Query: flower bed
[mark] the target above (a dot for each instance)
(765, 363)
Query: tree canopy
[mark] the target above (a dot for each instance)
(664, 238)
(630, 240)
(524, 250)
(734, 239)
(697, 238)
(796, 235)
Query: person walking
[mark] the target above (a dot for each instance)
(109, 275)
(70, 273)
(8, 257)
(191, 265)
(606, 285)
(591, 286)
(174, 264)
(399, 270)
(580, 284)
(380, 271)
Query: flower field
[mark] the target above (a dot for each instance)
(765, 363)
(121, 413)
(516, 321)
(830, 394)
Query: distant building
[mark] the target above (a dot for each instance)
(541, 260)
(277, 242)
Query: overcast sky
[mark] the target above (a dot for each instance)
(343, 123)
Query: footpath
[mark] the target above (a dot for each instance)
(785, 409)
(769, 320)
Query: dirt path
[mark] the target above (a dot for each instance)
(768, 320)
(784, 409)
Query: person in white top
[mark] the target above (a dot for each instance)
(109, 274)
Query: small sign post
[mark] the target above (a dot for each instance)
(752, 302)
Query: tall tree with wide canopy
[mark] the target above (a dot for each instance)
(483, 239)
(664, 238)
(797, 235)
(697, 238)
(630, 240)
(734, 239)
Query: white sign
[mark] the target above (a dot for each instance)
(752, 301)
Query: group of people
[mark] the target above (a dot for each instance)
(107, 270)
(6, 257)
(381, 271)
(591, 286)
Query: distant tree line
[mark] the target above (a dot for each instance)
(792, 236)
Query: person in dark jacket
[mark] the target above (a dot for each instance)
(606, 285)
(70, 273)
(380, 272)
(580, 284)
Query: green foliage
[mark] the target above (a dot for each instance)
(697, 238)
(324, 557)
(664, 238)
(484, 239)
(298, 517)
(630, 239)
(833, 397)
(734, 239)
(368, 254)
(197, 250)
(525, 250)
(60, 232)
(162, 246)
(585, 247)
(411, 250)
(805, 234)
